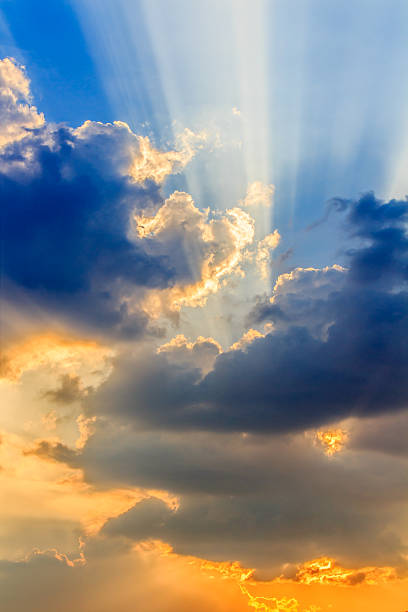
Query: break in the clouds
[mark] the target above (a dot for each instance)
(335, 346)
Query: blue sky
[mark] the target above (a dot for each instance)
(322, 85)
(50, 41)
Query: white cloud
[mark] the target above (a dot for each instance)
(205, 249)
(202, 352)
(17, 114)
(258, 194)
(264, 250)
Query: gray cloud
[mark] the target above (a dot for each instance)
(337, 348)
(70, 390)
(264, 500)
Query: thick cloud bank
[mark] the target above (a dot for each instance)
(86, 231)
(337, 346)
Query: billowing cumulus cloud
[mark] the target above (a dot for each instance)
(87, 233)
(66, 232)
(205, 249)
(18, 115)
(150, 164)
(301, 298)
(336, 347)
(202, 352)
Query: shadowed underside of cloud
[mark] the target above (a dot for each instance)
(75, 206)
(263, 500)
(65, 238)
(262, 530)
(67, 198)
(337, 347)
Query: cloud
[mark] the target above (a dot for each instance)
(202, 352)
(263, 500)
(56, 451)
(69, 391)
(246, 340)
(382, 260)
(327, 571)
(386, 434)
(151, 575)
(205, 249)
(155, 165)
(116, 576)
(18, 115)
(336, 348)
(75, 202)
(46, 504)
(66, 238)
(301, 297)
(269, 502)
(136, 156)
(258, 194)
(332, 440)
(67, 355)
(264, 250)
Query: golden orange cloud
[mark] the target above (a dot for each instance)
(246, 339)
(332, 440)
(319, 579)
(152, 164)
(213, 246)
(67, 354)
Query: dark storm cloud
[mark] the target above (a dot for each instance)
(339, 348)
(282, 501)
(387, 434)
(262, 531)
(65, 226)
(264, 500)
(384, 260)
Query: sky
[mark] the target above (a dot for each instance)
(203, 306)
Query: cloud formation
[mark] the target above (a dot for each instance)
(18, 115)
(205, 249)
(258, 194)
(336, 348)
(263, 500)
(264, 250)
(87, 233)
